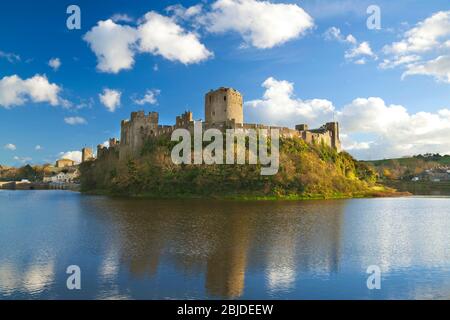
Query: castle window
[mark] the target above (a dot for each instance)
(224, 98)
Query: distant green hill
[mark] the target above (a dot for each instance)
(306, 171)
(408, 167)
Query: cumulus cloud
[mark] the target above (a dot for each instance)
(279, 106)
(116, 45)
(10, 146)
(423, 49)
(148, 98)
(113, 44)
(71, 155)
(15, 91)
(38, 147)
(261, 23)
(425, 36)
(110, 99)
(54, 63)
(358, 53)
(438, 68)
(370, 128)
(160, 35)
(395, 131)
(75, 120)
(361, 50)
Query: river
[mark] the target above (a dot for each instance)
(203, 249)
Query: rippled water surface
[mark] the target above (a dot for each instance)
(147, 249)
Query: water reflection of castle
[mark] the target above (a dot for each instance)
(222, 242)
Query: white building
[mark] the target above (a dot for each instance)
(62, 177)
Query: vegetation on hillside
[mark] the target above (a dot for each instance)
(408, 167)
(306, 171)
(31, 173)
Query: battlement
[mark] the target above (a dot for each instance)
(86, 154)
(222, 105)
(184, 119)
(140, 116)
(223, 110)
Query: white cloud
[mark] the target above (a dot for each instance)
(181, 12)
(398, 61)
(10, 57)
(110, 99)
(438, 68)
(355, 146)
(358, 53)
(54, 63)
(160, 35)
(71, 155)
(148, 98)
(279, 106)
(116, 45)
(75, 120)
(113, 44)
(394, 131)
(261, 23)
(15, 91)
(122, 17)
(370, 128)
(425, 36)
(424, 49)
(363, 49)
(334, 33)
(38, 147)
(10, 146)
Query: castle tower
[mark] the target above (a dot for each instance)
(135, 131)
(222, 105)
(86, 154)
(333, 128)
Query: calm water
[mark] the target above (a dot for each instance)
(141, 249)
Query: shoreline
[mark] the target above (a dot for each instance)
(293, 197)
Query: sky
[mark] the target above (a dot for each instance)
(309, 61)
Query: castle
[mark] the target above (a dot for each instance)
(223, 110)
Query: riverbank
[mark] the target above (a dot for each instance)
(375, 192)
(27, 185)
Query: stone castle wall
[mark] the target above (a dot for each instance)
(223, 110)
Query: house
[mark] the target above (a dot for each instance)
(63, 177)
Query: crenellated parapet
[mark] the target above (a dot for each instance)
(223, 110)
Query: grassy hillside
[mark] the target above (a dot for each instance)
(306, 171)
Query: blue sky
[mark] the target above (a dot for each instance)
(304, 67)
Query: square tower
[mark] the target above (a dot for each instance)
(222, 105)
(86, 154)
